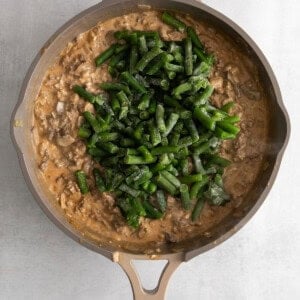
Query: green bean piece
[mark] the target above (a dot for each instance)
(172, 21)
(151, 211)
(197, 83)
(172, 102)
(114, 86)
(152, 106)
(147, 58)
(84, 132)
(191, 127)
(178, 57)
(165, 184)
(104, 56)
(198, 209)
(198, 186)
(124, 104)
(198, 164)
(96, 152)
(184, 164)
(115, 104)
(173, 68)
(183, 152)
(228, 127)
(154, 134)
(126, 189)
(136, 175)
(158, 167)
(194, 37)
(158, 64)
(145, 153)
(108, 136)
(208, 58)
(188, 61)
(115, 60)
(164, 149)
(172, 169)
(224, 135)
(146, 176)
(171, 178)
(130, 80)
(203, 69)
(83, 93)
(204, 96)
(191, 178)
(232, 119)
(182, 88)
(171, 122)
(218, 160)
(136, 160)
(201, 114)
(226, 107)
(82, 182)
(142, 44)
(161, 200)
(185, 196)
(174, 139)
(138, 132)
(133, 59)
(150, 188)
(121, 48)
(203, 148)
(91, 119)
(99, 180)
(109, 147)
(127, 35)
(145, 101)
(160, 111)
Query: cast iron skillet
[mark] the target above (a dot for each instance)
(22, 120)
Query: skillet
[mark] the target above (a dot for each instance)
(21, 124)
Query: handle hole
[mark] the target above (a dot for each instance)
(149, 273)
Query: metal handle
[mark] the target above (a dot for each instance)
(139, 293)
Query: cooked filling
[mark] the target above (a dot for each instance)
(135, 145)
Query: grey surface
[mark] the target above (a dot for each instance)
(37, 261)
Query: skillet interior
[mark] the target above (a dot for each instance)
(84, 22)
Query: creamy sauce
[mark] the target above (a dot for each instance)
(60, 152)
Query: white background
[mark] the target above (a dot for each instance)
(37, 261)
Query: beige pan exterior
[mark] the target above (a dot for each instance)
(23, 114)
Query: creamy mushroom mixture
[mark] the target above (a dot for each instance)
(60, 152)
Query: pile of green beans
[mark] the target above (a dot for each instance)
(154, 130)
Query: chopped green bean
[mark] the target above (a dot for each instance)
(174, 22)
(104, 56)
(194, 37)
(129, 79)
(99, 181)
(82, 182)
(191, 178)
(161, 200)
(171, 122)
(188, 61)
(185, 196)
(147, 58)
(201, 114)
(171, 178)
(165, 184)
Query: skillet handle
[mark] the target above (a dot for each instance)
(139, 293)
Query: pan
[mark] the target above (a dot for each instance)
(21, 126)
